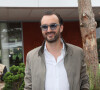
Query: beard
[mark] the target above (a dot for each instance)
(54, 39)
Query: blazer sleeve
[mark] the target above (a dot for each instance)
(27, 78)
(84, 79)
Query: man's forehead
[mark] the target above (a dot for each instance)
(49, 17)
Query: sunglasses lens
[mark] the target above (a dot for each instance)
(53, 26)
(44, 27)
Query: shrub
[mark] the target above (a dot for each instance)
(14, 80)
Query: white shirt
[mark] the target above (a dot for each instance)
(56, 75)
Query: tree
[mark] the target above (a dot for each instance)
(88, 33)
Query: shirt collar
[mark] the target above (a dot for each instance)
(67, 47)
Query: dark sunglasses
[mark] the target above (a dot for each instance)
(52, 26)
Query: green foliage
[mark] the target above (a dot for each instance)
(98, 48)
(14, 80)
(94, 85)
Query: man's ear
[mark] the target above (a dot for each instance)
(61, 28)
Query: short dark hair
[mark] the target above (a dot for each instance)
(51, 13)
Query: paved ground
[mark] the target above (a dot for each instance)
(1, 85)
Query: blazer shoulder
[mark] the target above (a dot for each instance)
(33, 51)
(75, 50)
(74, 47)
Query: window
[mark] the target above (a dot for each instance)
(11, 49)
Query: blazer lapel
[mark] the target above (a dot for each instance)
(43, 71)
(67, 64)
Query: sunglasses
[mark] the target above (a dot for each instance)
(52, 26)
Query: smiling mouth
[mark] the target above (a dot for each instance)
(50, 35)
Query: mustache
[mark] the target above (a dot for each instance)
(50, 33)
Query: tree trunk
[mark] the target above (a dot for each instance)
(88, 33)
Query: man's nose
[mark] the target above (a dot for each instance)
(49, 29)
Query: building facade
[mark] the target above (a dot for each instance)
(20, 26)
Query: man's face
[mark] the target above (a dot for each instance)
(51, 35)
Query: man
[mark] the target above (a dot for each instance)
(55, 65)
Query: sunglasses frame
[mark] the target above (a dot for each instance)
(52, 28)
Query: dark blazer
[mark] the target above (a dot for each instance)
(35, 70)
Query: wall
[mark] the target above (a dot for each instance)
(32, 35)
(72, 34)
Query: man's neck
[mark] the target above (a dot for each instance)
(55, 48)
